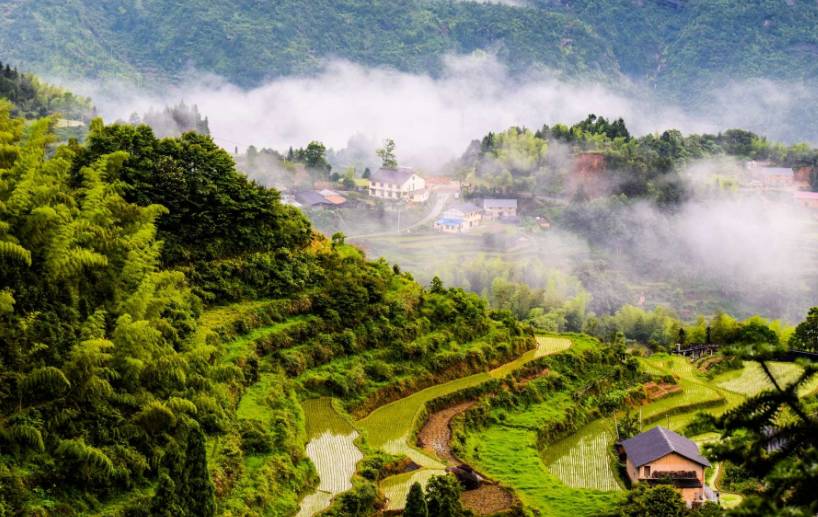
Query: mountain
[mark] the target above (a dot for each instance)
(676, 46)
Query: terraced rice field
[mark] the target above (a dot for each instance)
(582, 460)
(751, 380)
(333, 452)
(545, 346)
(389, 427)
(696, 391)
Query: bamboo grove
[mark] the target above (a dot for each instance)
(118, 397)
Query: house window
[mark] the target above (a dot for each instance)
(646, 470)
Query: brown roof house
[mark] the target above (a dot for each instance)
(660, 456)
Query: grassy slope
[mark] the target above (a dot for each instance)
(389, 427)
(248, 480)
(510, 456)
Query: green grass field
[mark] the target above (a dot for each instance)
(510, 455)
(676, 411)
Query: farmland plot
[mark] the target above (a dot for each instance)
(582, 460)
(545, 346)
(333, 452)
(510, 455)
(389, 427)
(752, 380)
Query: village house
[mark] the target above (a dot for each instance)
(470, 214)
(494, 209)
(660, 456)
(322, 199)
(399, 184)
(333, 197)
(449, 225)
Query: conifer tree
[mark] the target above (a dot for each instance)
(415, 503)
(197, 494)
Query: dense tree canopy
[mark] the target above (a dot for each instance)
(213, 211)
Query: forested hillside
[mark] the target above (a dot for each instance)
(32, 98)
(129, 386)
(678, 45)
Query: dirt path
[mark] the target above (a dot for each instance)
(436, 434)
(487, 500)
(435, 438)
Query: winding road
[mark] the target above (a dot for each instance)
(440, 200)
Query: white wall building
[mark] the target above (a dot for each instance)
(400, 183)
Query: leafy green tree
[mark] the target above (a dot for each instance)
(708, 509)
(805, 336)
(213, 211)
(437, 285)
(628, 426)
(315, 156)
(645, 501)
(443, 497)
(387, 154)
(415, 502)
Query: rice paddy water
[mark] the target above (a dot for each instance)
(332, 450)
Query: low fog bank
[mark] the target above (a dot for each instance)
(433, 119)
(718, 250)
(750, 255)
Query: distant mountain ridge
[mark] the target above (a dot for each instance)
(675, 46)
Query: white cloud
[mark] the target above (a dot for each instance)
(431, 119)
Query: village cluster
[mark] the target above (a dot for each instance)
(588, 179)
(404, 184)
